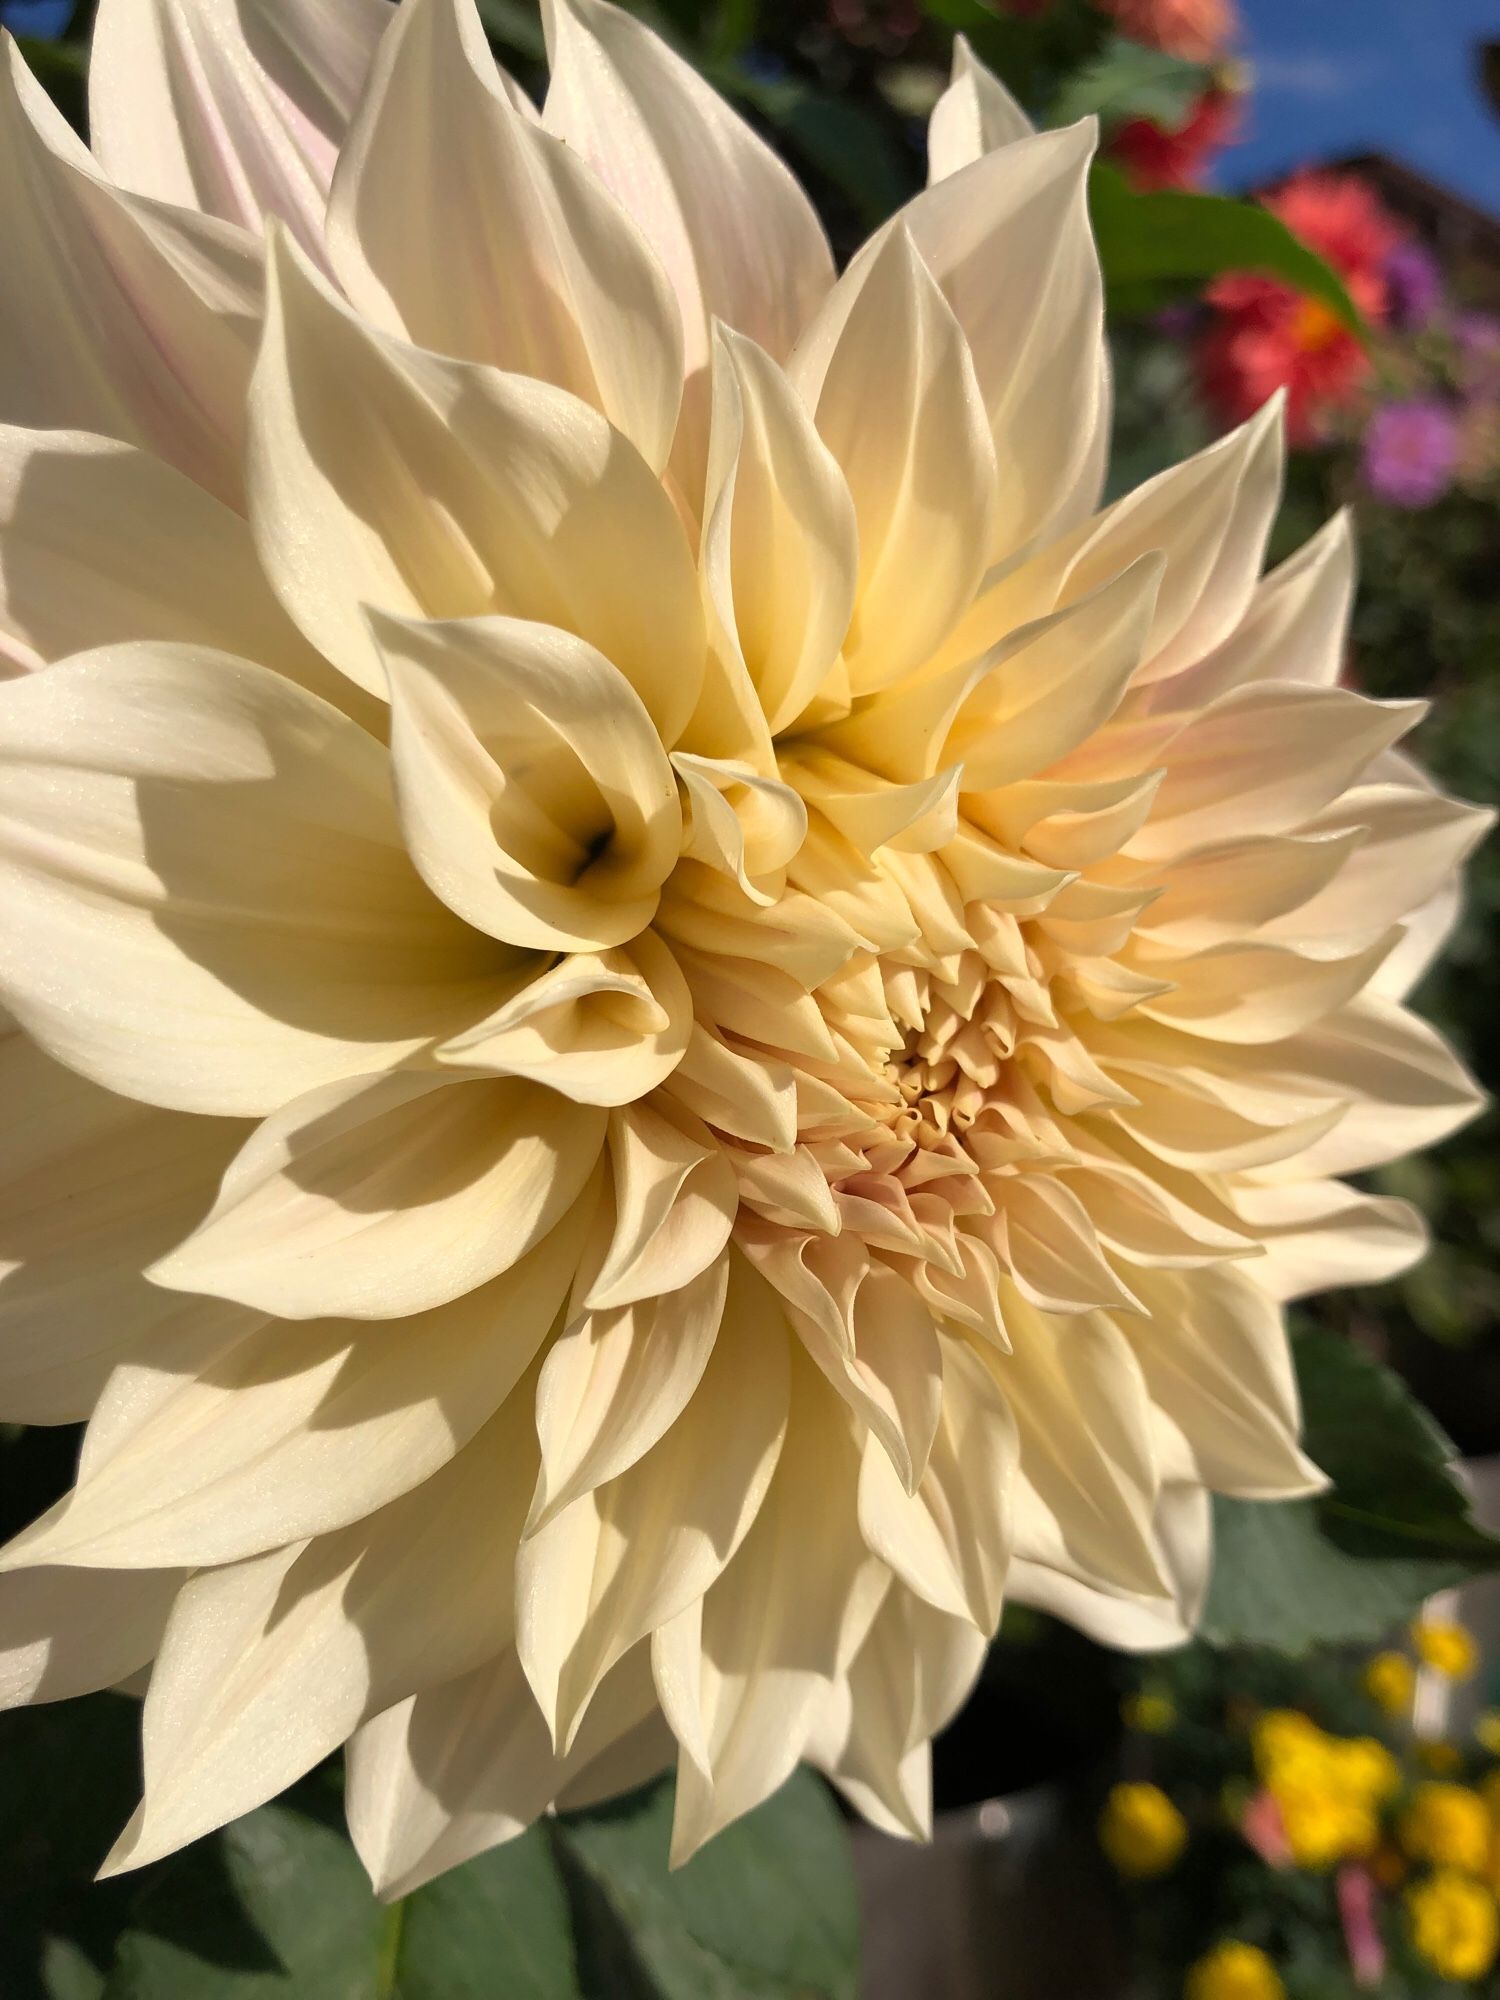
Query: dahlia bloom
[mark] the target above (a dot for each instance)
(676, 1018)
(1267, 336)
(1158, 156)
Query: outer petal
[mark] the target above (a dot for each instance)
(975, 115)
(92, 1186)
(100, 542)
(737, 237)
(629, 1556)
(461, 1768)
(299, 1429)
(554, 279)
(385, 476)
(208, 905)
(268, 1665)
(536, 796)
(66, 1632)
(389, 1195)
(119, 314)
(234, 107)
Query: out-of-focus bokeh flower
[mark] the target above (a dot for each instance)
(1390, 1680)
(1196, 30)
(1413, 285)
(1327, 1790)
(1448, 1648)
(1453, 1924)
(1266, 336)
(1448, 1825)
(1157, 156)
(1151, 1714)
(1411, 450)
(1141, 1830)
(1356, 1893)
(1234, 1971)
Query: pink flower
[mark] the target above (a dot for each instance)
(1154, 156)
(1357, 1900)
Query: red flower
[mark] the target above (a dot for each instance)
(1154, 157)
(1268, 336)
(1196, 30)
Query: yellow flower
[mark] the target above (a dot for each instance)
(1324, 1824)
(1287, 1744)
(648, 970)
(1453, 1924)
(1366, 1767)
(1447, 1825)
(1447, 1648)
(1234, 1971)
(1390, 1680)
(1151, 1714)
(1141, 1830)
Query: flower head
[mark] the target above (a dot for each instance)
(1390, 1680)
(1268, 336)
(1448, 1825)
(1158, 156)
(1453, 1924)
(1196, 30)
(1448, 1648)
(1411, 451)
(634, 925)
(1413, 286)
(1141, 1830)
(1234, 1971)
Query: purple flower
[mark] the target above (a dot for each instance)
(1411, 452)
(1478, 337)
(1414, 286)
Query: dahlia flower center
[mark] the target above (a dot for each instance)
(951, 1058)
(1316, 326)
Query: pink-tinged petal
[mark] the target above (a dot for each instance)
(236, 108)
(119, 314)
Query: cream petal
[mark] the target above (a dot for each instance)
(739, 1674)
(743, 1092)
(1296, 627)
(1262, 759)
(1411, 844)
(66, 1632)
(209, 907)
(1083, 1416)
(1133, 1622)
(949, 1541)
(737, 237)
(603, 1028)
(91, 1187)
(1053, 685)
(300, 1429)
(615, 1380)
(675, 1202)
(268, 1665)
(534, 791)
(556, 281)
(389, 1195)
(1320, 1234)
(780, 541)
(919, 461)
(1258, 993)
(975, 115)
(236, 108)
(1215, 1357)
(462, 1768)
(100, 541)
(120, 314)
(381, 475)
(631, 1555)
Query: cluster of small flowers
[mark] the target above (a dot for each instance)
(1421, 402)
(1377, 1825)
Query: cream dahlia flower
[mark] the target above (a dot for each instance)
(676, 1019)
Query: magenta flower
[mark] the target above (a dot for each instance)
(1411, 451)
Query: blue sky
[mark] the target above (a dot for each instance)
(1398, 76)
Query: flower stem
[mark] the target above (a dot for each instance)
(388, 1963)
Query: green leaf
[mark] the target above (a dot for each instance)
(1160, 246)
(1393, 1528)
(1127, 80)
(277, 1907)
(767, 1911)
